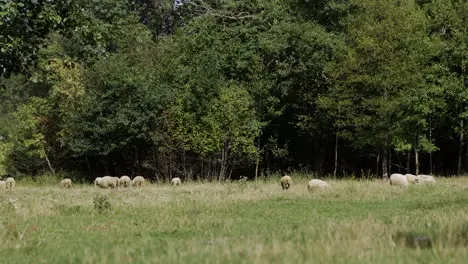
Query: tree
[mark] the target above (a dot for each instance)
(24, 25)
(448, 22)
(388, 50)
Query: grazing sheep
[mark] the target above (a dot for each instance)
(176, 181)
(125, 181)
(112, 182)
(66, 183)
(412, 179)
(138, 181)
(10, 183)
(286, 182)
(425, 179)
(398, 180)
(98, 182)
(2, 185)
(243, 180)
(106, 182)
(316, 184)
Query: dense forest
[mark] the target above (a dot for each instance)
(215, 89)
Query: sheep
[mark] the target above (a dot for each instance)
(98, 182)
(112, 182)
(138, 181)
(125, 181)
(66, 183)
(316, 184)
(10, 183)
(2, 185)
(106, 182)
(425, 179)
(412, 179)
(242, 181)
(286, 182)
(398, 180)
(176, 181)
(102, 182)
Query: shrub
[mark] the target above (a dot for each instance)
(102, 203)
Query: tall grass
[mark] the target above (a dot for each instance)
(352, 222)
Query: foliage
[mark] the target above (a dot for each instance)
(206, 89)
(381, 94)
(23, 27)
(101, 203)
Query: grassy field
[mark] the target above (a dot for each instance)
(353, 222)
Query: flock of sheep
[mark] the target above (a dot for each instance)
(124, 181)
(407, 179)
(314, 184)
(9, 183)
(395, 179)
(101, 182)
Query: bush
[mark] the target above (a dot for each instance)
(102, 203)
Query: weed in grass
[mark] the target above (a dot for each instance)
(102, 203)
(412, 239)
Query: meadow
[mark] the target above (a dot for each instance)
(355, 221)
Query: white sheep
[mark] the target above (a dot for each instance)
(138, 181)
(113, 182)
(286, 182)
(10, 183)
(2, 185)
(125, 181)
(398, 180)
(98, 182)
(176, 181)
(426, 179)
(66, 183)
(107, 182)
(243, 179)
(316, 184)
(412, 179)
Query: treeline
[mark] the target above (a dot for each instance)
(210, 89)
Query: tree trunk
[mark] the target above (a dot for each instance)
(221, 169)
(430, 140)
(224, 161)
(336, 154)
(408, 162)
(385, 163)
(416, 160)
(378, 163)
(460, 149)
(88, 165)
(49, 163)
(389, 163)
(257, 163)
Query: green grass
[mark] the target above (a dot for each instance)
(353, 222)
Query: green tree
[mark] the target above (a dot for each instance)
(381, 80)
(448, 21)
(24, 25)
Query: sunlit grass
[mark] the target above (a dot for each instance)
(352, 222)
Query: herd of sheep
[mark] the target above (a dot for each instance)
(110, 182)
(395, 179)
(407, 179)
(9, 183)
(314, 184)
